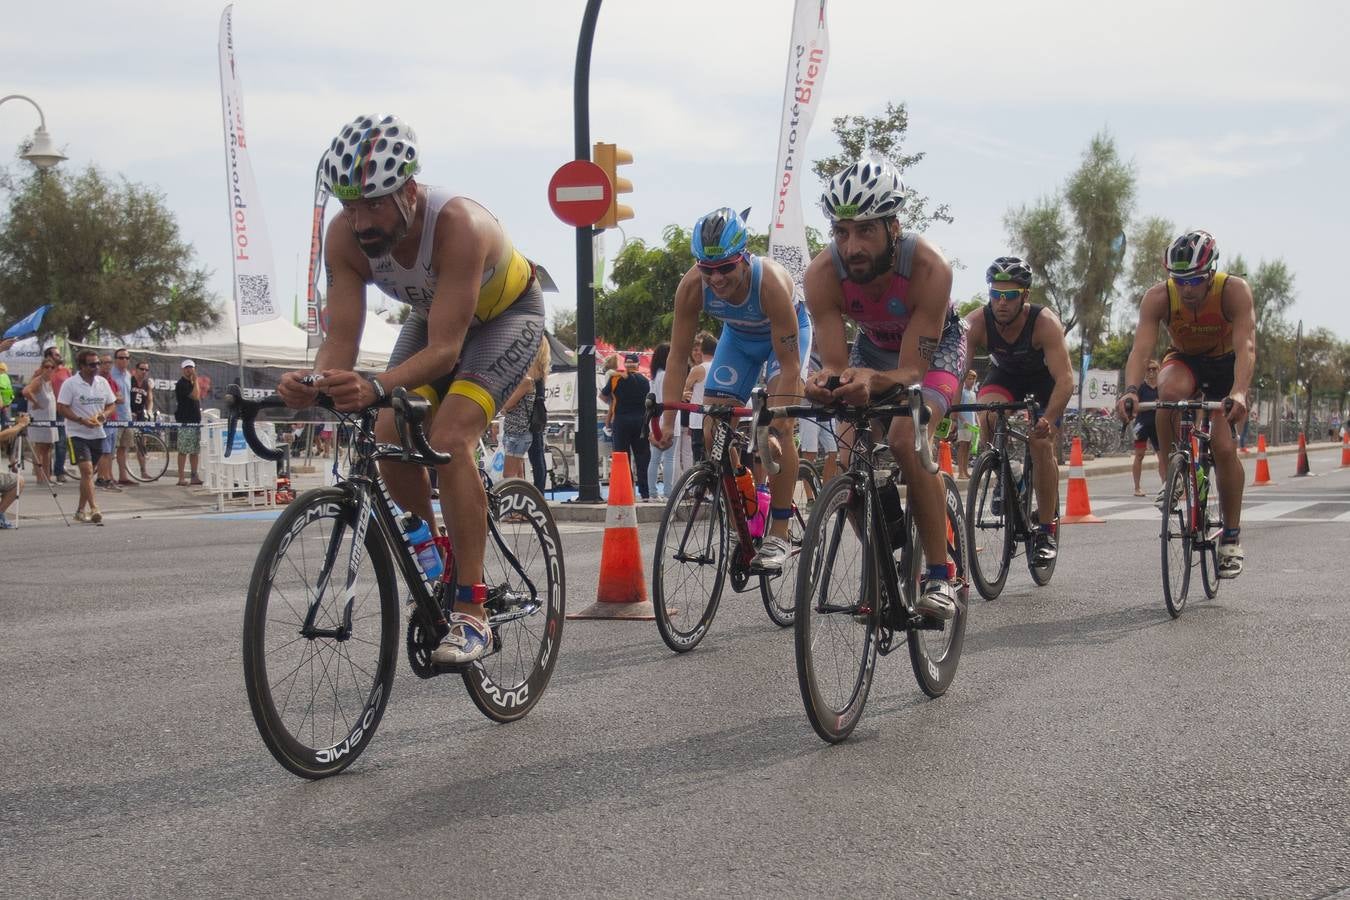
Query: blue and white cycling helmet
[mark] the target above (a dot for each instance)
(372, 156)
(718, 236)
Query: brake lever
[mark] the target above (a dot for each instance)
(917, 412)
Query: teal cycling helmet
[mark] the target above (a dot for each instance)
(718, 236)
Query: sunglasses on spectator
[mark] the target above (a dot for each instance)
(995, 294)
(124, 357)
(1191, 281)
(90, 362)
(725, 268)
(142, 368)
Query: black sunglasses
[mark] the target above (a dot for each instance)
(124, 357)
(723, 269)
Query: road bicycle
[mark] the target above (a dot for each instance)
(150, 450)
(1192, 523)
(322, 616)
(1002, 512)
(860, 571)
(705, 537)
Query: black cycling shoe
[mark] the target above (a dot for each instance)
(1047, 548)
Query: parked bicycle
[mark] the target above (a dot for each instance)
(705, 536)
(1002, 512)
(151, 452)
(1192, 523)
(322, 616)
(860, 569)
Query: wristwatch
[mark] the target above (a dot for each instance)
(379, 388)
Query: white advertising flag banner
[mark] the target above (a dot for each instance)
(254, 275)
(808, 54)
(1099, 391)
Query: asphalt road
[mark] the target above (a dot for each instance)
(1090, 745)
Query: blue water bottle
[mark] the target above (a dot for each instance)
(424, 545)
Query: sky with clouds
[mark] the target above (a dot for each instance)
(1236, 114)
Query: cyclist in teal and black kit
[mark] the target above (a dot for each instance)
(766, 323)
(1027, 355)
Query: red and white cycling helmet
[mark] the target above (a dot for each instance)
(1194, 253)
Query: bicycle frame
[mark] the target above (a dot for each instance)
(1014, 497)
(1188, 429)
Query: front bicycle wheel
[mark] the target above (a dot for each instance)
(152, 457)
(779, 591)
(527, 590)
(1208, 529)
(318, 666)
(1176, 534)
(988, 530)
(690, 565)
(837, 616)
(1041, 572)
(557, 467)
(934, 653)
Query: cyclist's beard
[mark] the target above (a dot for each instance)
(375, 242)
(879, 265)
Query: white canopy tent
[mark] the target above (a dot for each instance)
(280, 343)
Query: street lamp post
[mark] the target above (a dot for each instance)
(42, 153)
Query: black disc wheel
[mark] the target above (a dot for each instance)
(988, 528)
(935, 653)
(1176, 534)
(689, 567)
(319, 654)
(838, 616)
(527, 588)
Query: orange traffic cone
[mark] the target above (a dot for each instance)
(1262, 464)
(1302, 458)
(1079, 509)
(622, 590)
(945, 457)
(1345, 450)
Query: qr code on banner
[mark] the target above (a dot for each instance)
(255, 295)
(791, 259)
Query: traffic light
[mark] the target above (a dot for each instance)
(609, 157)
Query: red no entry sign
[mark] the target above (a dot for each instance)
(579, 193)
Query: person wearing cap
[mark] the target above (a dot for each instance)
(188, 413)
(629, 396)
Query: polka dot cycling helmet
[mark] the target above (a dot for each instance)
(372, 156)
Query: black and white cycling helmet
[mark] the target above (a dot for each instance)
(868, 189)
(1009, 269)
(372, 156)
(1194, 253)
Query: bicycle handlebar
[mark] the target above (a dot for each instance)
(1027, 403)
(410, 412)
(1226, 405)
(913, 406)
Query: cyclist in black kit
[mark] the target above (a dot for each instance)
(1027, 355)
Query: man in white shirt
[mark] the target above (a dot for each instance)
(85, 402)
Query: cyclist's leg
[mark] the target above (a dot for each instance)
(1176, 381)
(783, 485)
(408, 484)
(1216, 382)
(1045, 471)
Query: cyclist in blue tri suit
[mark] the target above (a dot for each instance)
(765, 322)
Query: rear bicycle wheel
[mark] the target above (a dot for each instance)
(527, 589)
(152, 457)
(689, 567)
(838, 611)
(557, 467)
(1209, 528)
(317, 700)
(934, 653)
(779, 591)
(1176, 534)
(988, 534)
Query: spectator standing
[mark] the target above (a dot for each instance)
(85, 402)
(142, 405)
(42, 408)
(705, 346)
(516, 411)
(103, 477)
(6, 394)
(59, 376)
(629, 405)
(669, 457)
(539, 414)
(965, 426)
(1146, 430)
(188, 413)
(124, 437)
(11, 483)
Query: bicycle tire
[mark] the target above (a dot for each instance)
(558, 474)
(1041, 573)
(685, 596)
(779, 591)
(1176, 534)
(151, 448)
(838, 609)
(526, 628)
(277, 602)
(934, 654)
(1209, 528)
(988, 536)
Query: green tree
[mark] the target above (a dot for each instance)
(565, 326)
(882, 136)
(106, 254)
(966, 307)
(640, 309)
(1075, 240)
(1149, 239)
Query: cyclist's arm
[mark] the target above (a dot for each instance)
(930, 292)
(824, 301)
(1240, 309)
(776, 297)
(688, 304)
(1151, 311)
(346, 268)
(975, 331)
(1050, 336)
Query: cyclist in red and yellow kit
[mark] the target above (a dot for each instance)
(1210, 320)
